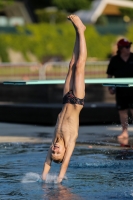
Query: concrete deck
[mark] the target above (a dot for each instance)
(88, 135)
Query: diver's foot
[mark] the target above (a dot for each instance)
(78, 25)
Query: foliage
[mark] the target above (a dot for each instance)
(4, 3)
(98, 46)
(72, 5)
(129, 34)
(127, 11)
(54, 40)
(39, 4)
(102, 20)
(53, 16)
(3, 49)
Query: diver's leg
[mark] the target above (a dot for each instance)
(70, 75)
(78, 77)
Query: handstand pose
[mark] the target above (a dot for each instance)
(66, 129)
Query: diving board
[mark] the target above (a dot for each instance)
(115, 82)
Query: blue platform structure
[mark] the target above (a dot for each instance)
(116, 82)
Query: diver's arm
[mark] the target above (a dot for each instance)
(47, 165)
(66, 160)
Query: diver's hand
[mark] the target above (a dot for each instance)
(45, 171)
(59, 180)
(43, 176)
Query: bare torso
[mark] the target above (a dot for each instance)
(67, 123)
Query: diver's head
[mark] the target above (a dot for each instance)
(58, 152)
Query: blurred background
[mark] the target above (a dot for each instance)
(36, 43)
(38, 31)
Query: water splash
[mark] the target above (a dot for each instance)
(51, 178)
(31, 178)
(34, 177)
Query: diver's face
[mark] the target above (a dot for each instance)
(58, 151)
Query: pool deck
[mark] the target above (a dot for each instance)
(90, 135)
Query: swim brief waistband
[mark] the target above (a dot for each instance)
(70, 98)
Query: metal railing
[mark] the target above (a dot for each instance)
(58, 70)
(48, 71)
(19, 71)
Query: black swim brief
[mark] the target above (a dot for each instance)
(70, 98)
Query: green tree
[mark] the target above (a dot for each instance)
(55, 16)
(40, 4)
(72, 5)
(127, 12)
(4, 3)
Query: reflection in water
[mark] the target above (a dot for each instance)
(125, 142)
(58, 192)
(50, 189)
(127, 145)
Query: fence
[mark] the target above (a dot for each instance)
(58, 70)
(19, 71)
(50, 70)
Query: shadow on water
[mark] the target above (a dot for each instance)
(59, 192)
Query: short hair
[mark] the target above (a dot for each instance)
(57, 161)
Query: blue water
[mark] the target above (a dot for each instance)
(93, 173)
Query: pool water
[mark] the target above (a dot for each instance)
(94, 173)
